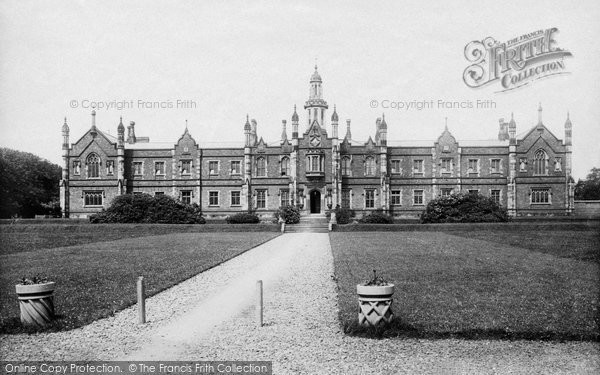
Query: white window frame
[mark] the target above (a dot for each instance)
(239, 164)
(399, 169)
(266, 170)
(500, 167)
(370, 171)
(446, 192)
(499, 195)
(141, 164)
(239, 197)
(477, 166)
(372, 191)
(348, 159)
(422, 197)
(282, 194)
(87, 193)
(210, 196)
(450, 163)
(533, 192)
(191, 195)
(214, 172)
(349, 198)
(399, 196)
(164, 168)
(420, 171)
(284, 160)
(258, 193)
(191, 167)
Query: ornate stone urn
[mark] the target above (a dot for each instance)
(375, 302)
(36, 302)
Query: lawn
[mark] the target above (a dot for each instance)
(28, 237)
(95, 280)
(458, 285)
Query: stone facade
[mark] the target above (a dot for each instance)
(530, 174)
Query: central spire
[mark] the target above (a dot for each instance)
(315, 105)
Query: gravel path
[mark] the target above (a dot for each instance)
(210, 317)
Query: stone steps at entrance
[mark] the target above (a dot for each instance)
(313, 223)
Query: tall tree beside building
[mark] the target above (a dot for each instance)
(589, 189)
(28, 184)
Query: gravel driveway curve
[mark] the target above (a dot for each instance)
(211, 317)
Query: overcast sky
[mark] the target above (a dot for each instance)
(233, 58)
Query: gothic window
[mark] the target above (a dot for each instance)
(285, 166)
(92, 198)
(236, 198)
(345, 198)
(369, 198)
(370, 166)
(314, 163)
(261, 167)
(346, 168)
(396, 197)
(261, 198)
(93, 166)
(285, 197)
(236, 167)
(540, 195)
(540, 163)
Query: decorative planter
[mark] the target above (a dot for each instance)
(375, 305)
(36, 302)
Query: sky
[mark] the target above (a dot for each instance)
(160, 63)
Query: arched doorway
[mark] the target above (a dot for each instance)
(315, 202)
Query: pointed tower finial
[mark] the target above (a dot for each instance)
(446, 126)
(540, 113)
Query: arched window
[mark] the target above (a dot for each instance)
(261, 167)
(370, 166)
(540, 162)
(93, 165)
(285, 166)
(346, 169)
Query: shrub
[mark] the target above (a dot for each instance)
(144, 208)
(377, 217)
(463, 208)
(291, 214)
(243, 218)
(342, 215)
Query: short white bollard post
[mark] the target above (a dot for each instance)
(259, 303)
(283, 227)
(141, 300)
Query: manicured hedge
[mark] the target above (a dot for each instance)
(377, 217)
(144, 208)
(243, 218)
(342, 215)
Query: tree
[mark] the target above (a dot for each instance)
(589, 189)
(28, 184)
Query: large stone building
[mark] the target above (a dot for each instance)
(530, 174)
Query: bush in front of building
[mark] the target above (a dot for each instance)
(243, 218)
(289, 213)
(342, 215)
(144, 208)
(463, 208)
(377, 217)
